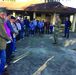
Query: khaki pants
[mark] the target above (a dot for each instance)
(56, 35)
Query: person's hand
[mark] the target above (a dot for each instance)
(68, 27)
(11, 40)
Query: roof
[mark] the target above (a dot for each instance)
(17, 5)
(51, 7)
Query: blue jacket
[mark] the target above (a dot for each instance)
(40, 24)
(66, 24)
(51, 27)
(31, 25)
(22, 29)
(26, 22)
(9, 26)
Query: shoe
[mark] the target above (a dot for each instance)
(12, 56)
(13, 52)
(5, 74)
(67, 37)
(29, 35)
(64, 36)
(10, 59)
(7, 61)
(56, 44)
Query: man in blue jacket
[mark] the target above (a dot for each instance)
(26, 22)
(40, 26)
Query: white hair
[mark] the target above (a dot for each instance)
(1, 13)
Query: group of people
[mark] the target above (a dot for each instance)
(12, 29)
(33, 27)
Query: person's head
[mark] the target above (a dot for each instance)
(13, 19)
(51, 24)
(8, 16)
(47, 20)
(20, 18)
(34, 19)
(3, 13)
(40, 20)
(31, 21)
(57, 16)
(43, 21)
(66, 18)
(25, 18)
(17, 20)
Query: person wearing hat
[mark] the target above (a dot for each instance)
(9, 44)
(15, 28)
(57, 29)
(3, 40)
(67, 26)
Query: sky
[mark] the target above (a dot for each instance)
(70, 3)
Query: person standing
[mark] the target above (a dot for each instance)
(67, 26)
(35, 24)
(3, 40)
(9, 44)
(51, 28)
(15, 31)
(40, 26)
(26, 23)
(31, 28)
(43, 27)
(19, 30)
(47, 24)
(57, 29)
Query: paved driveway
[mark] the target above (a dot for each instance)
(38, 56)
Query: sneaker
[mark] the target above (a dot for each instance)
(56, 44)
(13, 52)
(29, 35)
(5, 74)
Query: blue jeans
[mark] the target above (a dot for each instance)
(35, 30)
(40, 31)
(67, 32)
(2, 60)
(9, 50)
(43, 30)
(21, 35)
(51, 31)
(13, 44)
(31, 32)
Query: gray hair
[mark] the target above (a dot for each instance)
(1, 13)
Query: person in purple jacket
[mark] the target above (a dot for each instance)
(51, 28)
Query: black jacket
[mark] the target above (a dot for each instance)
(46, 24)
(68, 24)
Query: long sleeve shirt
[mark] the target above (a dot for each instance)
(35, 23)
(66, 24)
(40, 24)
(9, 26)
(19, 26)
(14, 28)
(26, 22)
(31, 26)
